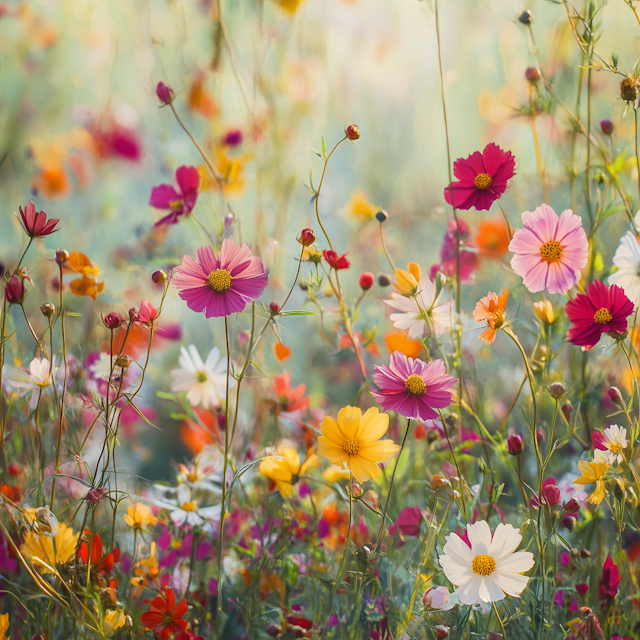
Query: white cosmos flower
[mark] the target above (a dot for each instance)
(440, 599)
(627, 259)
(204, 382)
(34, 379)
(188, 512)
(490, 569)
(412, 313)
(615, 440)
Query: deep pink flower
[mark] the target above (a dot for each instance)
(550, 251)
(164, 93)
(232, 138)
(582, 589)
(15, 292)
(409, 521)
(413, 388)
(35, 224)
(468, 259)
(599, 310)
(482, 178)
(147, 313)
(515, 444)
(609, 582)
(220, 285)
(336, 261)
(165, 196)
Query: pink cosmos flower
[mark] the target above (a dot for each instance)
(413, 388)
(482, 178)
(600, 310)
(35, 224)
(165, 196)
(550, 251)
(468, 259)
(220, 285)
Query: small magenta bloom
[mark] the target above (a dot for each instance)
(550, 251)
(232, 138)
(600, 310)
(336, 261)
(165, 196)
(15, 292)
(35, 224)
(413, 388)
(164, 93)
(223, 284)
(482, 178)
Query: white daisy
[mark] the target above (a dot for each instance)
(412, 312)
(204, 382)
(36, 377)
(615, 439)
(188, 512)
(490, 569)
(192, 479)
(627, 259)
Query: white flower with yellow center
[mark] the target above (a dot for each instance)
(188, 512)
(490, 569)
(615, 440)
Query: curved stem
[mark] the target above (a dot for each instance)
(317, 193)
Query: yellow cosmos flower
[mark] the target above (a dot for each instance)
(353, 441)
(139, 516)
(113, 620)
(407, 281)
(593, 472)
(359, 207)
(58, 549)
(4, 626)
(290, 6)
(334, 474)
(285, 469)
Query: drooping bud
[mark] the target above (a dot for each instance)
(607, 127)
(366, 280)
(48, 309)
(62, 255)
(307, 237)
(382, 216)
(613, 393)
(384, 280)
(526, 17)
(159, 276)
(164, 93)
(533, 75)
(557, 390)
(352, 132)
(515, 444)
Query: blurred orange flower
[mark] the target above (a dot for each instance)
(195, 436)
(199, 100)
(492, 238)
(398, 341)
(52, 182)
(87, 285)
(282, 351)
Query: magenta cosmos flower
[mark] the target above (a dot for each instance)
(413, 388)
(220, 285)
(599, 310)
(550, 251)
(165, 196)
(482, 178)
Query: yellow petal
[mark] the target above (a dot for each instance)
(292, 459)
(380, 451)
(359, 469)
(349, 421)
(310, 462)
(331, 430)
(275, 469)
(414, 270)
(331, 451)
(374, 428)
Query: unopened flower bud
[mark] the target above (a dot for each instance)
(133, 314)
(159, 276)
(526, 17)
(540, 435)
(438, 482)
(274, 307)
(567, 410)
(568, 521)
(371, 497)
(442, 631)
(96, 495)
(328, 291)
(494, 635)
(382, 216)
(123, 361)
(356, 490)
(307, 237)
(384, 280)
(543, 310)
(62, 255)
(112, 320)
(352, 132)
(273, 630)
(366, 280)
(557, 390)
(48, 309)
(533, 75)
(572, 506)
(164, 93)
(303, 285)
(629, 90)
(585, 553)
(607, 127)
(515, 444)
(618, 491)
(14, 469)
(432, 436)
(550, 495)
(452, 419)
(613, 393)
(454, 495)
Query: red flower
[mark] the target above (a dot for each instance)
(290, 399)
(35, 224)
(600, 310)
(147, 314)
(100, 565)
(609, 582)
(482, 178)
(15, 291)
(165, 616)
(336, 261)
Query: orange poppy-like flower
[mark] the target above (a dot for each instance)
(164, 616)
(400, 342)
(491, 310)
(87, 285)
(282, 351)
(492, 238)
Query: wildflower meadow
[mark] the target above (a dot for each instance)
(320, 319)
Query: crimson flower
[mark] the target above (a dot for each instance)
(609, 582)
(336, 261)
(36, 225)
(147, 314)
(15, 291)
(165, 196)
(100, 565)
(599, 310)
(164, 616)
(482, 178)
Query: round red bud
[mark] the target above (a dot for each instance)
(307, 237)
(533, 75)
(14, 469)
(164, 93)
(607, 127)
(159, 276)
(352, 132)
(366, 280)
(515, 444)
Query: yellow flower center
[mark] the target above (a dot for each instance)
(602, 316)
(220, 280)
(483, 181)
(614, 447)
(351, 446)
(483, 565)
(202, 376)
(551, 251)
(191, 506)
(415, 385)
(192, 476)
(176, 205)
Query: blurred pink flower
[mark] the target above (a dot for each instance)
(165, 196)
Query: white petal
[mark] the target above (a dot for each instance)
(456, 572)
(479, 536)
(469, 593)
(505, 541)
(212, 359)
(513, 584)
(516, 563)
(185, 361)
(458, 548)
(195, 357)
(489, 590)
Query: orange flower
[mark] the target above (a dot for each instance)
(492, 238)
(87, 285)
(282, 352)
(491, 310)
(199, 100)
(400, 342)
(52, 182)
